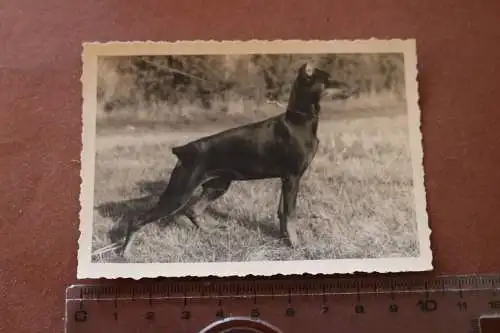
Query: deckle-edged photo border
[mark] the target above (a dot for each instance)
(91, 52)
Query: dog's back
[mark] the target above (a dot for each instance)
(250, 150)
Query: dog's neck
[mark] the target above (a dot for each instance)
(306, 120)
(299, 114)
(302, 110)
(302, 105)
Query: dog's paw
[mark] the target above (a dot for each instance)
(124, 252)
(116, 234)
(121, 255)
(184, 221)
(292, 244)
(209, 222)
(291, 240)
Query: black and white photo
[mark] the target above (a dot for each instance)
(233, 158)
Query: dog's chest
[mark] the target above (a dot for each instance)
(305, 134)
(302, 144)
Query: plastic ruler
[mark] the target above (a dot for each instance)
(458, 304)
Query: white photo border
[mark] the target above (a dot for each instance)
(92, 50)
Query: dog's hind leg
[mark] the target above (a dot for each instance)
(287, 208)
(212, 190)
(183, 181)
(137, 223)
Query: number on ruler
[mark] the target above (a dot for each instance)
(81, 316)
(393, 308)
(290, 312)
(462, 306)
(150, 315)
(185, 315)
(427, 305)
(255, 313)
(219, 314)
(494, 304)
(359, 309)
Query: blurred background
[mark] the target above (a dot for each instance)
(232, 88)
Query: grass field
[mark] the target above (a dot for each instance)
(355, 201)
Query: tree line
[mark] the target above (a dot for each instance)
(203, 78)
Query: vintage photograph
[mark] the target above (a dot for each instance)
(234, 158)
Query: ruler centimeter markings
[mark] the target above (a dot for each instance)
(448, 304)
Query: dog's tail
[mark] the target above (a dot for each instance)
(186, 153)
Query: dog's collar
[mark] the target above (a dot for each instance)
(302, 114)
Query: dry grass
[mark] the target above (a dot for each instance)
(355, 201)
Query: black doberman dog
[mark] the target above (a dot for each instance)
(279, 147)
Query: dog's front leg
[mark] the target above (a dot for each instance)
(288, 201)
(281, 211)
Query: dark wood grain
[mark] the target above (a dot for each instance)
(40, 100)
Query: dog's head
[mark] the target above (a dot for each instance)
(319, 83)
(311, 85)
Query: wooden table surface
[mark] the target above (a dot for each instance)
(40, 109)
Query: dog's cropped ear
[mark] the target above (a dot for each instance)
(307, 69)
